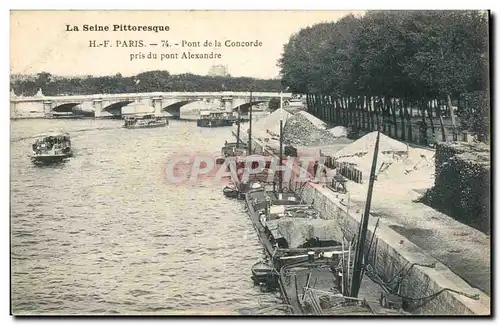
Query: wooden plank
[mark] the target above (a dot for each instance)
(309, 249)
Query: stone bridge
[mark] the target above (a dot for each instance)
(114, 105)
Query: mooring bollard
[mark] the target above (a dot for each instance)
(310, 257)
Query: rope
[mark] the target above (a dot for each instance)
(434, 295)
(375, 278)
(399, 277)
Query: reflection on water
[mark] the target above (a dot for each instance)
(106, 233)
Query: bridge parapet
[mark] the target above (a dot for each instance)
(73, 98)
(105, 104)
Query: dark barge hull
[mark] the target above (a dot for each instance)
(49, 159)
(66, 117)
(230, 192)
(259, 228)
(208, 123)
(147, 126)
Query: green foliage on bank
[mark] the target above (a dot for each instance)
(462, 184)
(407, 55)
(150, 81)
(274, 104)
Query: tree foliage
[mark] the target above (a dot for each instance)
(399, 53)
(409, 55)
(150, 81)
(274, 104)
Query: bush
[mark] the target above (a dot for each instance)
(462, 185)
(274, 104)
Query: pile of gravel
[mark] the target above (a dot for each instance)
(300, 131)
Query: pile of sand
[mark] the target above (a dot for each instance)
(395, 159)
(267, 126)
(419, 163)
(338, 131)
(364, 163)
(271, 122)
(366, 144)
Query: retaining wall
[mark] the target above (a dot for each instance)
(392, 253)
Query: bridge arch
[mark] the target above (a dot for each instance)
(65, 108)
(115, 109)
(244, 108)
(175, 108)
(84, 109)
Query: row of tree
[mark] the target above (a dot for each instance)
(151, 81)
(411, 56)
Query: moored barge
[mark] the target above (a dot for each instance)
(317, 271)
(215, 119)
(309, 261)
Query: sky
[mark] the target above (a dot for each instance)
(40, 41)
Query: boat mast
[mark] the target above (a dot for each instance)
(238, 131)
(358, 261)
(280, 172)
(250, 126)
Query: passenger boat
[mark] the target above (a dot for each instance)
(144, 121)
(51, 147)
(215, 119)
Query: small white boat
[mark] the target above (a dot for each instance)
(51, 147)
(261, 271)
(144, 121)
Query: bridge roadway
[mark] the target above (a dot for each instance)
(110, 105)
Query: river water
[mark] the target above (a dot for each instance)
(107, 233)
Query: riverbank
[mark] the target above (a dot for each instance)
(410, 234)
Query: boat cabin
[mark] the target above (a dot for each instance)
(141, 117)
(216, 115)
(286, 199)
(145, 120)
(52, 141)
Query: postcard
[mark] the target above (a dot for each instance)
(244, 163)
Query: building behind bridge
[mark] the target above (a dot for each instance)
(218, 71)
